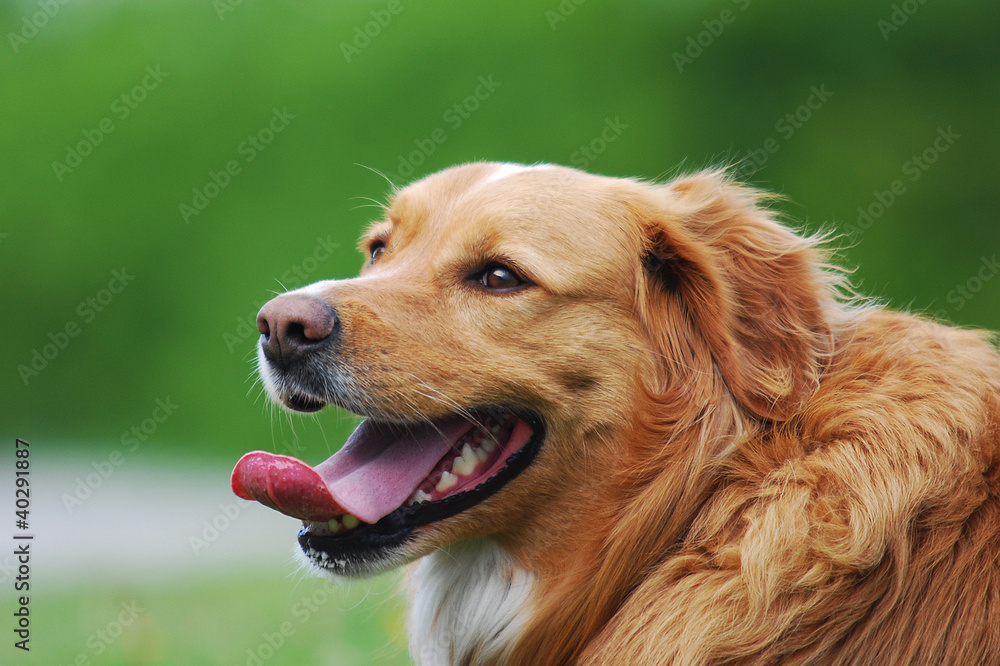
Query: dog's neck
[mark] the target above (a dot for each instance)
(469, 604)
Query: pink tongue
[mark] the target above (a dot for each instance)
(377, 469)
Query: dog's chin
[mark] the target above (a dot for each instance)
(356, 566)
(506, 441)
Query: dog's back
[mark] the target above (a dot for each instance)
(866, 531)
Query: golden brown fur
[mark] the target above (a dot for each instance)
(740, 467)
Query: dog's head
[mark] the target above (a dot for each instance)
(503, 340)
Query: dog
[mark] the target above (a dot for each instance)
(611, 421)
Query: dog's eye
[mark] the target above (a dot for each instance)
(376, 250)
(500, 278)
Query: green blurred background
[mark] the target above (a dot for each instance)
(118, 121)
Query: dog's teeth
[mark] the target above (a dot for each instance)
(448, 480)
(490, 444)
(465, 464)
(481, 454)
(462, 467)
(495, 430)
(334, 525)
(419, 496)
(349, 521)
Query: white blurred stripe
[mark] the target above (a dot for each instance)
(139, 522)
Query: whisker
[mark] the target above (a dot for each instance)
(375, 204)
(393, 185)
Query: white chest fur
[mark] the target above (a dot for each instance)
(469, 603)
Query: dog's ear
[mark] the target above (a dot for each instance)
(754, 292)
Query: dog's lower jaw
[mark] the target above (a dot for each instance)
(470, 602)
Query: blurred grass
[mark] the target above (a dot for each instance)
(235, 620)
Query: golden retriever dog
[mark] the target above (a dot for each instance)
(619, 422)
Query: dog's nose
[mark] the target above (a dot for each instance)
(292, 325)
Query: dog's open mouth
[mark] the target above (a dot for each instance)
(304, 403)
(388, 479)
